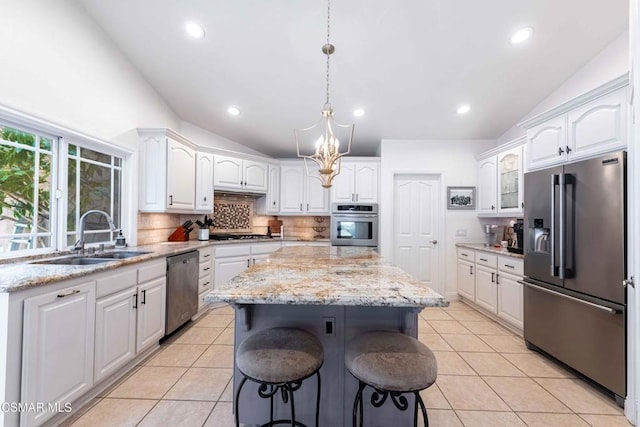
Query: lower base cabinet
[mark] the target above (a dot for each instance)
(491, 283)
(77, 336)
(57, 351)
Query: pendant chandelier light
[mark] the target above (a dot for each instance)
(320, 143)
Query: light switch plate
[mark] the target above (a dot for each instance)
(461, 232)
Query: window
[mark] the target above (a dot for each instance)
(36, 169)
(93, 182)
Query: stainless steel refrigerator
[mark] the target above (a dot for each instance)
(575, 265)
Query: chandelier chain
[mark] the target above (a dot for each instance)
(328, 44)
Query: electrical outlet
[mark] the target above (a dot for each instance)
(329, 326)
(461, 232)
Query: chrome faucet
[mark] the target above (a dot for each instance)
(79, 245)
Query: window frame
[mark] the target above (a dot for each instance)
(61, 137)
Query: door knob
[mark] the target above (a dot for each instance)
(435, 242)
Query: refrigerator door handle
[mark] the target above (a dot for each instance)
(554, 182)
(549, 291)
(561, 239)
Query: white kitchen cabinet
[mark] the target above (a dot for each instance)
(204, 182)
(487, 177)
(486, 281)
(270, 203)
(510, 190)
(510, 299)
(510, 296)
(57, 348)
(486, 288)
(300, 193)
(500, 181)
(230, 173)
(466, 280)
(205, 275)
(547, 143)
(167, 172)
(151, 306)
(115, 338)
(357, 182)
(591, 124)
(234, 259)
(598, 126)
(181, 172)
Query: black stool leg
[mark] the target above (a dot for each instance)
(357, 404)
(271, 405)
(318, 400)
(244, 380)
(293, 407)
(422, 408)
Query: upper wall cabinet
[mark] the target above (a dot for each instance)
(589, 125)
(231, 173)
(204, 182)
(270, 203)
(301, 194)
(500, 181)
(167, 175)
(357, 182)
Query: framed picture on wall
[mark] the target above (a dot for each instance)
(461, 198)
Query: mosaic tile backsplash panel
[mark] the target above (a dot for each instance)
(232, 215)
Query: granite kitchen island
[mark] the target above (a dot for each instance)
(336, 293)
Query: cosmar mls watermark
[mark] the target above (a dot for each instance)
(36, 407)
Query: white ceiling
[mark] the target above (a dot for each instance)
(409, 63)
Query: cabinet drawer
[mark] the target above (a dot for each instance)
(152, 270)
(116, 282)
(511, 265)
(205, 270)
(483, 258)
(205, 254)
(204, 284)
(232, 250)
(265, 248)
(464, 253)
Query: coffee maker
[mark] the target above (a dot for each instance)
(518, 228)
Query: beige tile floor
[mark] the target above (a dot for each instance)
(486, 377)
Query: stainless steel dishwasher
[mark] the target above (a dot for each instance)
(182, 289)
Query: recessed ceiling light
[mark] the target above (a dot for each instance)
(234, 111)
(521, 35)
(463, 109)
(358, 112)
(194, 30)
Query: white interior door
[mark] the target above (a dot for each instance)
(417, 227)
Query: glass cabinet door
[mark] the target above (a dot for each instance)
(510, 181)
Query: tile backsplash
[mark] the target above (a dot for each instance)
(232, 214)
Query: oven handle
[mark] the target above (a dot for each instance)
(344, 216)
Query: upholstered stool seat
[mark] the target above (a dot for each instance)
(279, 359)
(391, 363)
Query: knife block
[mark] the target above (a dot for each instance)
(179, 235)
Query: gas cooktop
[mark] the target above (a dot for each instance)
(221, 236)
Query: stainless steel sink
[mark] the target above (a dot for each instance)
(75, 261)
(92, 259)
(120, 254)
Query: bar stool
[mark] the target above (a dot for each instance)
(392, 364)
(279, 359)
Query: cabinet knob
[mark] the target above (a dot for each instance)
(568, 149)
(471, 269)
(170, 200)
(560, 151)
(492, 207)
(522, 204)
(300, 207)
(274, 203)
(493, 277)
(307, 206)
(434, 242)
(205, 198)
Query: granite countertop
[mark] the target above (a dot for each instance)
(493, 250)
(25, 274)
(333, 275)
